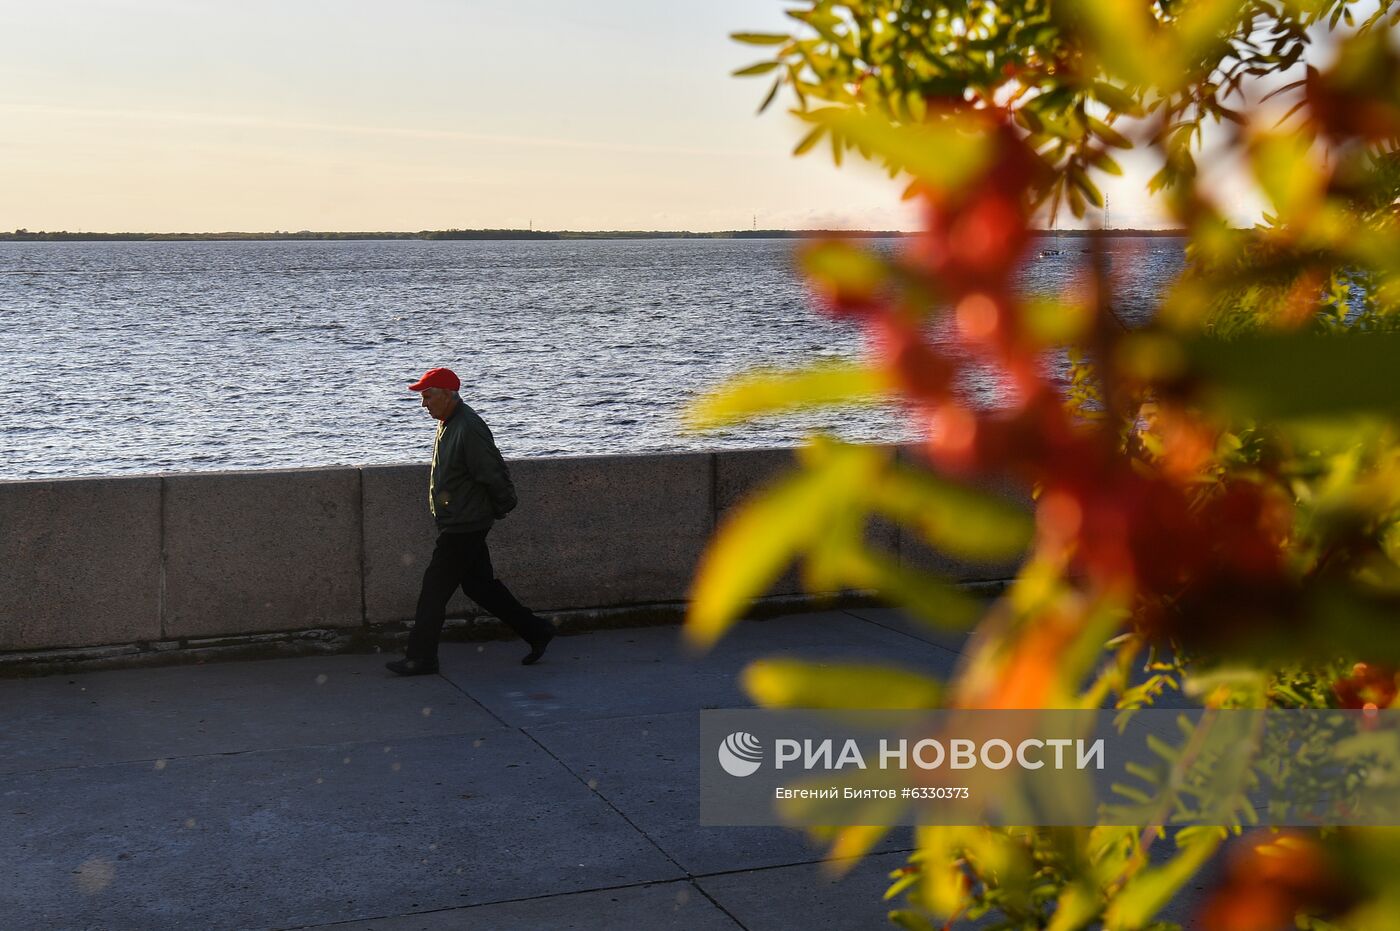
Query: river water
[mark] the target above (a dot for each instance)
(134, 357)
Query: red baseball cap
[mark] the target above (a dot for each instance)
(437, 378)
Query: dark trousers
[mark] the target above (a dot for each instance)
(463, 559)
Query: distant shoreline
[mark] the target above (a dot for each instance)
(23, 235)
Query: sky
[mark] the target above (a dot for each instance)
(207, 115)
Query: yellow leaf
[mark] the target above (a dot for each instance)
(1135, 49)
(1056, 321)
(841, 267)
(806, 143)
(759, 539)
(790, 683)
(944, 890)
(772, 391)
(1287, 173)
(851, 844)
(946, 154)
(959, 520)
(1121, 33)
(1077, 905)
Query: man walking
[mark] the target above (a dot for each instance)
(469, 489)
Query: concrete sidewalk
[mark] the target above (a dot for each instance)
(299, 793)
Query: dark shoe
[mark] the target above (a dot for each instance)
(412, 667)
(537, 648)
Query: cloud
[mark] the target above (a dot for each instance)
(262, 122)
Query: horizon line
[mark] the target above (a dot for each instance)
(23, 233)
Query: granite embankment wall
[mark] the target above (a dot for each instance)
(178, 557)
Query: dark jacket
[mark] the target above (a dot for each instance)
(470, 487)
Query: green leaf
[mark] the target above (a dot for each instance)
(772, 93)
(1106, 163)
(1147, 892)
(927, 598)
(1076, 202)
(1090, 189)
(760, 38)
(1110, 135)
(1203, 26)
(910, 921)
(791, 683)
(1116, 99)
(826, 28)
(762, 67)
(1131, 793)
(1163, 749)
(774, 391)
(1300, 374)
(814, 16)
(810, 140)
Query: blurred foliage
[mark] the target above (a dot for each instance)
(1212, 502)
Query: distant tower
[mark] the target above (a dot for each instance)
(1106, 224)
(532, 224)
(755, 221)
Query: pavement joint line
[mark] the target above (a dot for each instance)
(568, 769)
(348, 743)
(462, 908)
(811, 862)
(623, 717)
(473, 699)
(492, 724)
(396, 740)
(897, 630)
(689, 876)
(716, 903)
(690, 879)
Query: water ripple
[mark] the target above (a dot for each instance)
(140, 357)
